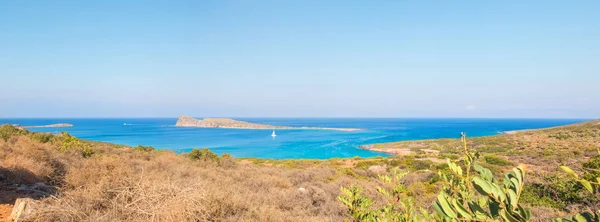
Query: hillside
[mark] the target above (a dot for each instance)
(541, 148)
(76, 180)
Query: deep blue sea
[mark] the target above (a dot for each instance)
(289, 144)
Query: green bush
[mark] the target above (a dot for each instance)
(87, 151)
(144, 148)
(496, 160)
(593, 163)
(71, 143)
(203, 155)
(7, 131)
(399, 204)
(543, 195)
(42, 137)
(416, 165)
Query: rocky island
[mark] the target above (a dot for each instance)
(186, 121)
(58, 125)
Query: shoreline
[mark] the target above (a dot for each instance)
(394, 149)
(512, 132)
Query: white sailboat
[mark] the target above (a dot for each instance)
(273, 134)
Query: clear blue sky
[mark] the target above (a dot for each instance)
(300, 58)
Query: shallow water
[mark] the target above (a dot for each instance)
(289, 144)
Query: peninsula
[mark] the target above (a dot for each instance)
(186, 121)
(528, 139)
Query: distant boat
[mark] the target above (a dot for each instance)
(124, 124)
(273, 134)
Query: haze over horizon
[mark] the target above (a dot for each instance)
(509, 59)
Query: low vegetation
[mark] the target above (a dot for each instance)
(77, 180)
(457, 200)
(119, 183)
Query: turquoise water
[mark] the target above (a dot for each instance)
(315, 144)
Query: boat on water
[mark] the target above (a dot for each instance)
(273, 134)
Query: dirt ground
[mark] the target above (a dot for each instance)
(7, 199)
(5, 210)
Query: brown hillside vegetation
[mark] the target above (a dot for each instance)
(78, 180)
(75, 180)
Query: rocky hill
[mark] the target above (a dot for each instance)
(58, 125)
(186, 121)
(221, 123)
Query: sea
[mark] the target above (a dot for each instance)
(162, 133)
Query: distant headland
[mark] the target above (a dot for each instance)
(186, 121)
(58, 125)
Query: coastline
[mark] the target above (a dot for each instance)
(511, 132)
(302, 142)
(407, 147)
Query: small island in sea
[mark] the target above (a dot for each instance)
(57, 125)
(186, 121)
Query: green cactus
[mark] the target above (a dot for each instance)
(399, 206)
(582, 217)
(357, 204)
(464, 197)
(458, 202)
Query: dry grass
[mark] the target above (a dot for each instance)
(124, 184)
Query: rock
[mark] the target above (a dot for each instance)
(23, 207)
(302, 190)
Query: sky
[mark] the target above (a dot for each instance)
(305, 58)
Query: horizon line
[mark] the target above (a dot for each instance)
(302, 117)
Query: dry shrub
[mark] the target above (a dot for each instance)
(127, 191)
(124, 184)
(24, 161)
